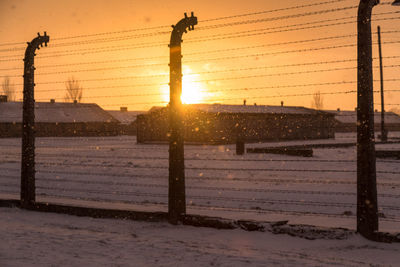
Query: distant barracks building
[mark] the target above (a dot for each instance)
(224, 124)
(127, 120)
(346, 121)
(59, 119)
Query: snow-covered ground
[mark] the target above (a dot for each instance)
(115, 172)
(44, 239)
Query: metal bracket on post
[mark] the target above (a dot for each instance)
(176, 184)
(28, 124)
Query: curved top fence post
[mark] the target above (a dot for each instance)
(176, 184)
(28, 123)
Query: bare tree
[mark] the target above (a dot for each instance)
(7, 88)
(74, 90)
(318, 101)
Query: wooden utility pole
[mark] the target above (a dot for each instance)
(28, 124)
(176, 184)
(367, 203)
(383, 130)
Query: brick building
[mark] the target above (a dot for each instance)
(127, 119)
(59, 119)
(222, 124)
(346, 121)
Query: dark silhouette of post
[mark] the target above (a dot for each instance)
(383, 130)
(240, 134)
(176, 186)
(367, 203)
(28, 124)
(240, 147)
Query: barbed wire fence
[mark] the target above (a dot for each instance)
(117, 171)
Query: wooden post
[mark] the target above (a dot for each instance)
(367, 204)
(176, 184)
(240, 136)
(240, 148)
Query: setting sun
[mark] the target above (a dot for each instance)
(226, 133)
(192, 91)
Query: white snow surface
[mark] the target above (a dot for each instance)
(348, 116)
(44, 239)
(253, 109)
(56, 112)
(116, 172)
(125, 117)
(220, 108)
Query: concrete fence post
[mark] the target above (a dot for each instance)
(176, 183)
(28, 196)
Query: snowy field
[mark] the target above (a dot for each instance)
(45, 239)
(115, 172)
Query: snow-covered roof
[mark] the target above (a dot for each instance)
(215, 108)
(349, 116)
(262, 109)
(56, 112)
(125, 117)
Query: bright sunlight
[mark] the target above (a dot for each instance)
(193, 92)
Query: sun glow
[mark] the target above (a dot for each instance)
(192, 91)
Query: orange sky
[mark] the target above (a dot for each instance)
(130, 68)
